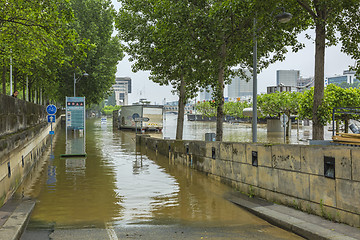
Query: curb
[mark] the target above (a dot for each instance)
(298, 226)
(17, 221)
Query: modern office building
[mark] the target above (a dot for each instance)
(287, 77)
(121, 89)
(206, 94)
(240, 87)
(347, 77)
(305, 83)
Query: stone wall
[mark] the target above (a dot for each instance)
(24, 135)
(17, 114)
(322, 180)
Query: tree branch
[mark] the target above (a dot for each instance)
(18, 21)
(306, 6)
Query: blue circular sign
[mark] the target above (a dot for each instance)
(51, 109)
(135, 115)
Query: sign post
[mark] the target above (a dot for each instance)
(75, 121)
(284, 119)
(51, 110)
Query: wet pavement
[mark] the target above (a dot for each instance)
(122, 192)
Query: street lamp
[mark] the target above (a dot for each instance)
(283, 17)
(75, 80)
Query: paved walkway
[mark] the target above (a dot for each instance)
(304, 224)
(15, 214)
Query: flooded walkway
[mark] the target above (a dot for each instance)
(120, 191)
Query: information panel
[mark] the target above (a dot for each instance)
(75, 112)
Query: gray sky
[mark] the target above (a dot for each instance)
(335, 63)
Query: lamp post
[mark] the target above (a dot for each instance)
(75, 80)
(283, 17)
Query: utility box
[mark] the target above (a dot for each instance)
(210, 137)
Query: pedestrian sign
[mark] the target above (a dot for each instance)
(51, 118)
(51, 109)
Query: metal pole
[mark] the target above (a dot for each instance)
(11, 83)
(333, 122)
(27, 88)
(284, 122)
(254, 119)
(74, 84)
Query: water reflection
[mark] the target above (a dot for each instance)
(236, 132)
(121, 185)
(78, 191)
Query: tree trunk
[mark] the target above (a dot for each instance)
(346, 126)
(15, 72)
(220, 95)
(181, 110)
(318, 128)
(4, 79)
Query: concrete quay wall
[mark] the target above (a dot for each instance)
(24, 135)
(17, 114)
(321, 180)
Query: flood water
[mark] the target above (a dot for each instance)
(237, 132)
(121, 185)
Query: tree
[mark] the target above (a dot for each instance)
(275, 104)
(329, 17)
(235, 109)
(224, 35)
(30, 31)
(336, 97)
(159, 40)
(93, 23)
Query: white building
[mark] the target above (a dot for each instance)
(121, 88)
(287, 77)
(240, 87)
(206, 94)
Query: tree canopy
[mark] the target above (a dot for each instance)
(48, 41)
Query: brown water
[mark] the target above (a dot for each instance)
(236, 132)
(120, 185)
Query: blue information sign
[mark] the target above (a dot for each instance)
(75, 112)
(51, 109)
(51, 132)
(51, 118)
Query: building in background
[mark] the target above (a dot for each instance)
(240, 88)
(206, 94)
(287, 77)
(347, 78)
(121, 89)
(305, 84)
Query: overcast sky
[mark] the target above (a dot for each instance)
(335, 63)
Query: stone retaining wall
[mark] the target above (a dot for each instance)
(322, 180)
(17, 114)
(24, 135)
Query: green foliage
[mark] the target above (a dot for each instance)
(108, 110)
(334, 97)
(235, 109)
(275, 104)
(206, 108)
(94, 24)
(348, 85)
(49, 41)
(306, 102)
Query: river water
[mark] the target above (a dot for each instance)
(237, 132)
(122, 185)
